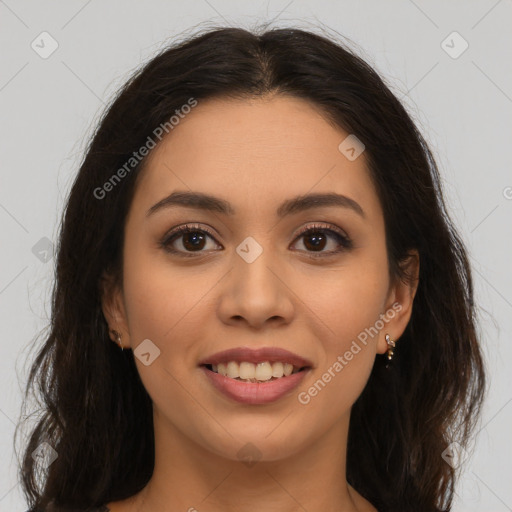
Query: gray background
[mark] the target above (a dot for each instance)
(463, 106)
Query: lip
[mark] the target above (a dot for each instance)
(254, 393)
(260, 355)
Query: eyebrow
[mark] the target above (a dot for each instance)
(201, 201)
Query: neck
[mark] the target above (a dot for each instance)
(189, 477)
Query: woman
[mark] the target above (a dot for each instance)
(259, 227)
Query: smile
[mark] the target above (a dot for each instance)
(255, 376)
(250, 372)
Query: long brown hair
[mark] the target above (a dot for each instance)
(96, 413)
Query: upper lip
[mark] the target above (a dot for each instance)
(270, 354)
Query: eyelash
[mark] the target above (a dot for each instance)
(342, 239)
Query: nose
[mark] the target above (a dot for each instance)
(256, 293)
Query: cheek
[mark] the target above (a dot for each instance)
(350, 300)
(160, 306)
(349, 305)
(159, 296)
(347, 356)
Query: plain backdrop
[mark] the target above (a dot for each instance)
(460, 97)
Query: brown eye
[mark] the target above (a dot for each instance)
(316, 238)
(193, 240)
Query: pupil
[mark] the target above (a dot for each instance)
(198, 237)
(319, 240)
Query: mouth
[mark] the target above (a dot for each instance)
(263, 371)
(255, 376)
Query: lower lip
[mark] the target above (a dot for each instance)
(255, 393)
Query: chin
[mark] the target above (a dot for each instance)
(256, 443)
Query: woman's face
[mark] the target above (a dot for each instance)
(245, 277)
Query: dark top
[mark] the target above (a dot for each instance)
(103, 508)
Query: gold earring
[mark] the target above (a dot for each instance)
(118, 338)
(391, 346)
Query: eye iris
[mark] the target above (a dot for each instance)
(319, 240)
(198, 237)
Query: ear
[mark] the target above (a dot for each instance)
(112, 305)
(399, 302)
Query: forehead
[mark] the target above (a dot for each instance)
(258, 152)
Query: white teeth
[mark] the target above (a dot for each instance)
(245, 370)
(254, 372)
(221, 369)
(288, 368)
(233, 370)
(277, 370)
(263, 371)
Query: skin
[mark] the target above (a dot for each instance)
(255, 154)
